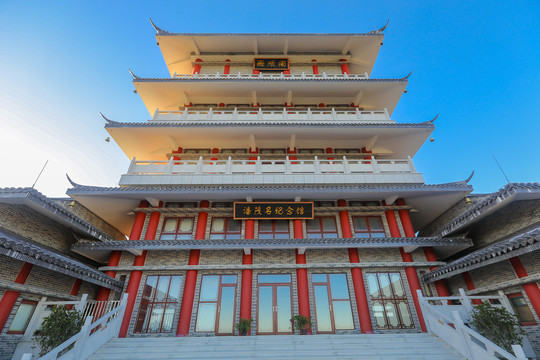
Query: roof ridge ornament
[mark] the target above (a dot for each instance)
(159, 31)
(380, 30)
(73, 183)
(109, 121)
(132, 74)
(406, 77)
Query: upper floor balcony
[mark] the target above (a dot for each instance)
(284, 170)
(273, 75)
(273, 114)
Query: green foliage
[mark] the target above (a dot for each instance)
(57, 327)
(498, 325)
(302, 322)
(243, 326)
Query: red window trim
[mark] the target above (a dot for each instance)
(369, 231)
(225, 227)
(273, 231)
(29, 302)
(176, 233)
(321, 227)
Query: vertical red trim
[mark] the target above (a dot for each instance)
(440, 285)
(344, 67)
(136, 275)
(292, 151)
(247, 276)
(197, 67)
(114, 260)
(76, 287)
(138, 224)
(301, 274)
(10, 297)
(315, 67)
(227, 68)
(356, 273)
(184, 320)
(412, 276)
(470, 286)
(531, 289)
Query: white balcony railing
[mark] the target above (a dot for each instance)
(292, 115)
(301, 76)
(285, 170)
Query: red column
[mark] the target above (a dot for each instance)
(410, 271)
(256, 151)
(440, 285)
(136, 275)
(214, 151)
(301, 275)
(247, 276)
(293, 151)
(357, 277)
(532, 290)
(197, 66)
(10, 297)
(344, 67)
(114, 260)
(76, 287)
(227, 67)
(470, 286)
(331, 151)
(315, 67)
(191, 276)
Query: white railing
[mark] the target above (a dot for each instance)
(271, 166)
(280, 75)
(93, 335)
(260, 114)
(448, 323)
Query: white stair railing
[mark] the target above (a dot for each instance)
(92, 336)
(452, 330)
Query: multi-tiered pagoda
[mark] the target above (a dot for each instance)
(271, 181)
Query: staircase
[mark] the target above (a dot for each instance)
(342, 347)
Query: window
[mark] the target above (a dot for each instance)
(273, 151)
(364, 203)
(368, 227)
(311, 151)
(177, 228)
(347, 151)
(324, 204)
(22, 317)
(181, 205)
(217, 304)
(225, 228)
(234, 151)
(521, 309)
(273, 229)
(322, 227)
(222, 204)
(332, 302)
(389, 301)
(197, 151)
(159, 299)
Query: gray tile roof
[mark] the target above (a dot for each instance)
(518, 244)
(53, 209)
(265, 79)
(19, 248)
(488, 204)
(317, 243)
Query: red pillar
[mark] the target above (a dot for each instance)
(344, 67)
(410, 271)
(76, 287)
(256, 151)
(114, 260)
(532, 290)
(136, 275)
(247, 276)
(440, 285)
(191, 276)
(357, 277)
(10, 297)
(301, 275)
(197, 66)
(470, 286)
(315, 67)
(227, 67)
(293, 151)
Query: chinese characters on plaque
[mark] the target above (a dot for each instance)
(273, 210)
(271, 64)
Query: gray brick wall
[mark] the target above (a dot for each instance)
(380, 255)
(327, 256)
(274, 257)
(492, 274)
(225, 257)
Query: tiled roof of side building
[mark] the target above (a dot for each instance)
(53, 209)
(496, 199)
(517, 244)
(19, 248)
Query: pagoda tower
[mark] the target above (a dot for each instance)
(271, 181)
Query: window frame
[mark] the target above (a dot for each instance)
(178, 222)
(322, 232)
(25, 302)
(368, 225)
(226, 231)
(523, 323)
(274, 232)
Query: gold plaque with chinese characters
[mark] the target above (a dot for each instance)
(273, 210)
(271, 64)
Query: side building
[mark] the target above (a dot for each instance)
(505, 229)
(36, 235)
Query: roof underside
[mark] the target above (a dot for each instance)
(152, 141)
(115, 205)
(177, 49)
(172, 94)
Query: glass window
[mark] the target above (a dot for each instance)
(181, 205)
(521, 308)
(332, 302)
(225, 228)
(273, 229)
(273, 151)
(322, 227)
(177, 228)
(22, 317)
(234, 151)
(389, 301)
(160, 296)
(197, 151)
(269, 279)
(216, 304)
(368, 226)
(347, 151)
(311, 151)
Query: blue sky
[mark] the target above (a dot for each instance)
(474, 62)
